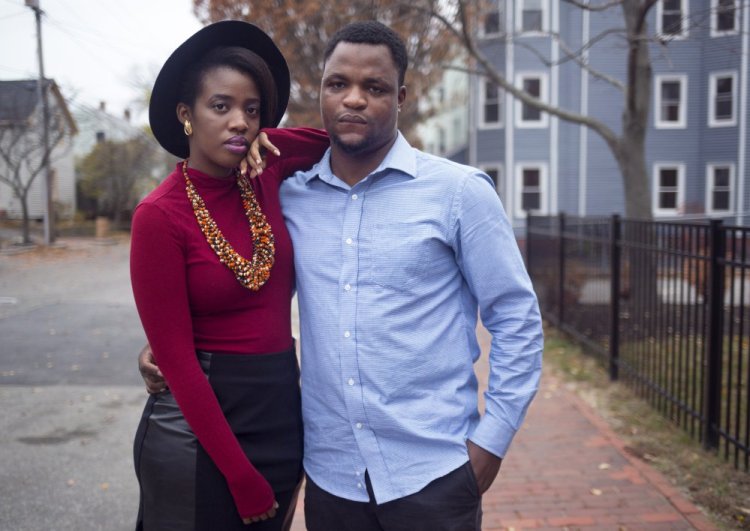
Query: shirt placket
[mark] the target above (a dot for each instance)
(348, 290)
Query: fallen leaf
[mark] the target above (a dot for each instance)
(604, 466)
(596, 492)
(71, 482)
(104, 486)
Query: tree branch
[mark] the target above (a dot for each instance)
(588, 7)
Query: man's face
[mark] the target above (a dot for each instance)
(360, 97)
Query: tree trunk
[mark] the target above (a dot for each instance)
(26, 222)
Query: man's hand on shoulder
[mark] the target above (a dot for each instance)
(151, 374)
(485, 464)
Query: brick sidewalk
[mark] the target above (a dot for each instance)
(567, 469)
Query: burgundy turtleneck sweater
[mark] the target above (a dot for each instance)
(188, 300)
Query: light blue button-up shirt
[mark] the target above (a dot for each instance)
(391, 274)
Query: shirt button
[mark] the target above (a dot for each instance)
(349, 241)
(351, 381)
(347, 334)
(354, 197)
(359, 425)
(348, 287)
(359, 485)
(356, 473)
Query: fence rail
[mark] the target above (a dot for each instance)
(665, 305)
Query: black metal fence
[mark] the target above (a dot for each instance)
(665, 305)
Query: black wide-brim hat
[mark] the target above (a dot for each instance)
(162, 109)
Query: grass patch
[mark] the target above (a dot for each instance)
(707, 480)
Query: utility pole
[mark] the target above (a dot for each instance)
(49, 234)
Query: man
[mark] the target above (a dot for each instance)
(396, 252)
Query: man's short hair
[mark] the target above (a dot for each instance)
(372, 32)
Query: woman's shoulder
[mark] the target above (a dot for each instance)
(168, 195)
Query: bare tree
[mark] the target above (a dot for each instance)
(461, 18)
(113, 172)
(22, 152)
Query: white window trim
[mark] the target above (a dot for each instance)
(519, 19)
(684, 9)
(500, 186)
(543, 187)
(710, 187)
(480, 109)
(680, 167)
(714, 20)
(543, 123)
(713, 76)
(501, 16)
(681, 122)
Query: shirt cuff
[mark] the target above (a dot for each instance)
(493, 435)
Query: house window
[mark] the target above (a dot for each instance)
(719, 188)
(490, 108)
(671, 101)
(722, 90)
(724, 17)
(671, 18)
(527, 115)
(531, 189)
(494, 20)
(441, 140)
(668, 188)
(495, 172)
(532, 16)
(100, 137)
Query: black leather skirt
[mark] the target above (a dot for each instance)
(181, 488)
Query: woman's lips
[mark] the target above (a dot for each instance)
(237, 145)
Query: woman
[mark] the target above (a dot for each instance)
(212, 275)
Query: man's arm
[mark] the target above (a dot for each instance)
(151, 374)
(492, 266)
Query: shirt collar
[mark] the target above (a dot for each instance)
(401, 157)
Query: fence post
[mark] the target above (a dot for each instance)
(714, 341)
(614, 299)
(561, 269)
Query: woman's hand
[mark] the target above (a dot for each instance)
(152, 376)
(254, 161)
(266, 515)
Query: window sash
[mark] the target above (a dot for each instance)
(726, 11)
(491, 106)
(720, 188)
(724, 98)
(671, 100)
(533, 86)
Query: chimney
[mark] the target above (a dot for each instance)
(103, 106)
(126, 115)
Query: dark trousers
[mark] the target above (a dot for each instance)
(449, 503)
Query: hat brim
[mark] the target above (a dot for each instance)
(162, 111)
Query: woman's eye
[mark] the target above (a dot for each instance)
(220, 106)
(252, 110)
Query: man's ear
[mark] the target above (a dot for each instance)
(401, 95)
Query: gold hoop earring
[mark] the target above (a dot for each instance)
(187, 127)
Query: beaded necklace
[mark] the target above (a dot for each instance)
(250, 273)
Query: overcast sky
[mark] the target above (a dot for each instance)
(94, 48)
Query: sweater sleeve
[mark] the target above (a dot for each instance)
(300, 148)
(158, 275)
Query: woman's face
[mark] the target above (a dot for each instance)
(225, 119)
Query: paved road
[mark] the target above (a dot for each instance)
(70, 396)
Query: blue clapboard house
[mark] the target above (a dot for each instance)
(697, 132)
